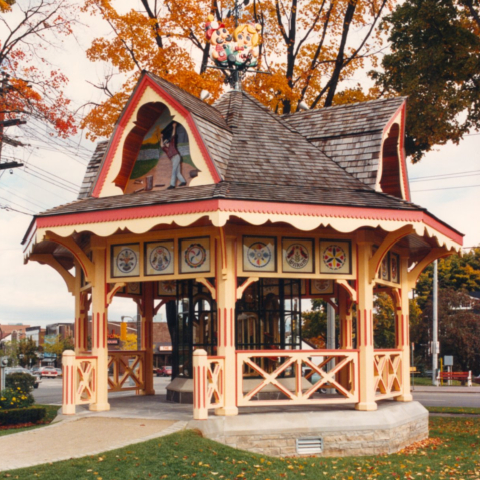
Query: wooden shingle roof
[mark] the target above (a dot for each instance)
(351, 135)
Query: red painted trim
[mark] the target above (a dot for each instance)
(215, 357)
(225, 320)
(145, 82)
(402, 110)
(219, 325)
(98, 330)
(387, 350)
(359, 326)
(231, 328)
(72, 385)
(371, 327)
(365, 324)
(403, 331)
(204, 394)
(282, 353)
(247, 206)
(104, 330)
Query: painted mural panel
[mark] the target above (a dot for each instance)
(164, 160)
(125, 260)
(335, 257)
(297, 255)
(159, 258)
(259, 254)
(195, 255)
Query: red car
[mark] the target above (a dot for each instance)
(48, 372)
(165, 371)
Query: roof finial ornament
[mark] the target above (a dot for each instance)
(234, 53)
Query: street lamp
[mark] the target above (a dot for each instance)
(123, 330)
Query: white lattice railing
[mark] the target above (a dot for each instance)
(126, 370)
(342, 376)
(86, 371)
(387, 371)
(208, 383)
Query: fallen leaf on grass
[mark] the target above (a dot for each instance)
(415, 447)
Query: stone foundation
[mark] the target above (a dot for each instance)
(392, 427)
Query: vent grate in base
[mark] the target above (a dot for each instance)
(309, 445)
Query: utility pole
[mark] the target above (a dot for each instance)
(4, 89)
(435, 344)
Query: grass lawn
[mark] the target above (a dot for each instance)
(52, 411)
(459, 410)
(453, 452)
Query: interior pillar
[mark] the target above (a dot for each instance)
(365, 326)
(226, 299)
(147, 336)
(402, 331)
(81, 314)
(99, 325)
(346, 333)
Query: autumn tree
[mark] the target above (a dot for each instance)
(435, 60)
(58, 345)
(312, 50)
(32, 88)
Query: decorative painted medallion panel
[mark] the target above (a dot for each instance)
(297, 255)
(125, 260)
(335, 256)
(385, 269)
(134, 288)
(159, 258)
(394, 268)
(195, 255)
(321, 287)
(167, 288)
(259, 254)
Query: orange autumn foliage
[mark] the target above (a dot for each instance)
(34, 88)
(311, 49)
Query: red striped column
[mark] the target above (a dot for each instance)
(69, 382)
(200, 367)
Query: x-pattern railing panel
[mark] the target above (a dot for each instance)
(215, 382)
(387, 371)
(126, 365)
(86, 370)
(296, 360)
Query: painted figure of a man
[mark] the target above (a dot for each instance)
(169, 146)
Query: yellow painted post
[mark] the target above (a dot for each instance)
(147, 336)
(403, 331)
(365, 326)
(346, 333)
(226, 299)
(200, 366)
(69, 382)
(81, 314)
(99, 325)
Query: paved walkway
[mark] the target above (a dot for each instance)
(445, 389)
(78, 438)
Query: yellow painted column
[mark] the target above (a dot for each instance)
(403, 331)
(81, 314)
(99, 324)
(147, 336)
(226, 298)
(346, 333)
(365, 326)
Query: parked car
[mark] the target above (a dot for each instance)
(11, 370)
(165, 371)
(59, 371)
(48, 372)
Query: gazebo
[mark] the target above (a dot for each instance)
(261, 212)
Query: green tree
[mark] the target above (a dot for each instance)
(384, 321)
(455, 272)
(27, 352)
(435, 60)
(314, 326)
(59, 346)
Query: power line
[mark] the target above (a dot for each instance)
(416, 179)
(23, 198)
(445, 188)
(53, 175)
(18, 205)
(64, 199)
(41, 176)
(7, 208)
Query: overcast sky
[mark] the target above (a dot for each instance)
(36, 295)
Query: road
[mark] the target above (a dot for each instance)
(50, 392)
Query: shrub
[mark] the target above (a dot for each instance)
(15, 398)
(23, 380)
(22, 415)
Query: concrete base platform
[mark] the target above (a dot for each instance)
(342, 432)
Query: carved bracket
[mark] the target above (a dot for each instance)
(391, 239)
(159, 306)
(50, 260)
(68, 242)
(244, 286)
(351, 291)
(413, 274)
(211, 288)
(113, 291)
